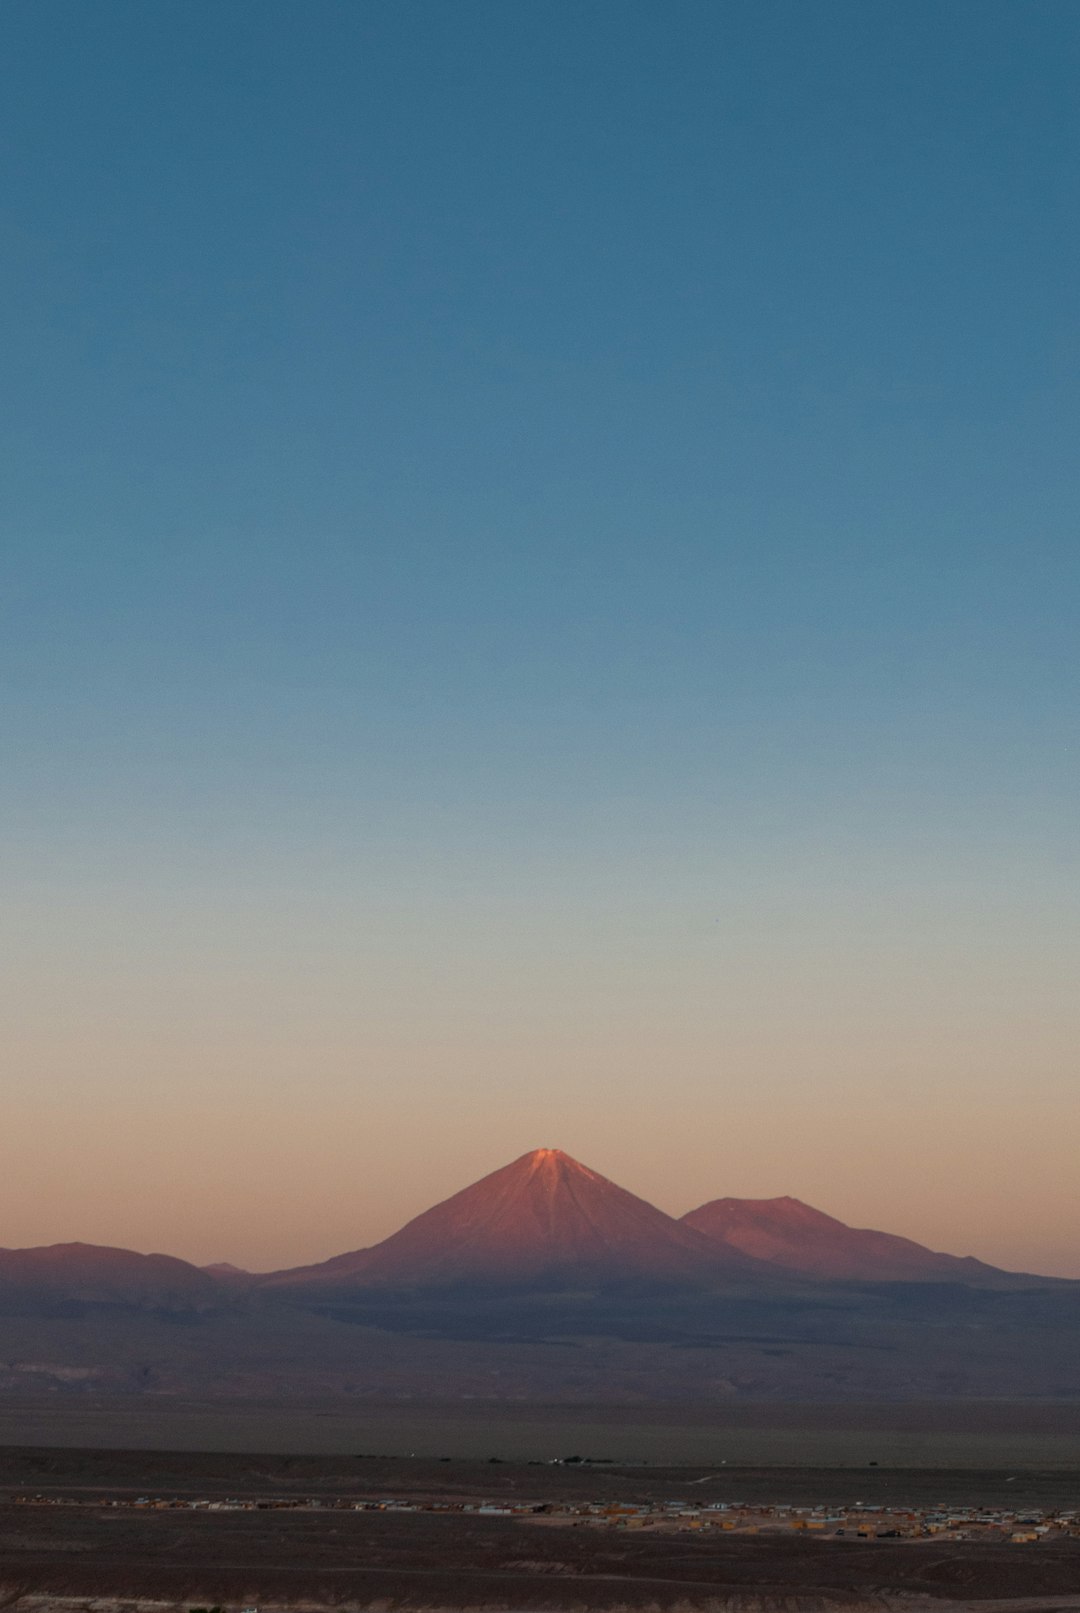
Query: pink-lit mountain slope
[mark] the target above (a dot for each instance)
(544, 1215)
(797, 1238)
(93, 1274)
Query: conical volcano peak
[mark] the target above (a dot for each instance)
(543, 1215)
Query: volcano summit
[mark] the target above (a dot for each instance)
(542, 1217)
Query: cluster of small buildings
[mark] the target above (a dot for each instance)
(859, 1522)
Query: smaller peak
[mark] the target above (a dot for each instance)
(786, 1200)
(792, 1209)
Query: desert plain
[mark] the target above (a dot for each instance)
(127, 1530)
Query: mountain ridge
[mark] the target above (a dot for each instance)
(544, 1213)
(101, 1274)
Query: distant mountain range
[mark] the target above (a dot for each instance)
(545, 1278)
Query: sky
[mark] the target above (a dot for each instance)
(538, 607)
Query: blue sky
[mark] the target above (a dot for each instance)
(559, 521)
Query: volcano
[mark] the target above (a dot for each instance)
(543, 1217)
(795, 1237)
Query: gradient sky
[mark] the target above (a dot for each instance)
(538, 607)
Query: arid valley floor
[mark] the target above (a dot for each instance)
(138, 1531)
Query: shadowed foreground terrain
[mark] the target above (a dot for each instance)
(959, 1434)
(389, 1560)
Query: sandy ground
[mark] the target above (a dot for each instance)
(91, 1558)
(124, 1558)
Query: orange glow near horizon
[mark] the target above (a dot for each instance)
(266, 1176)
(538, 603)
